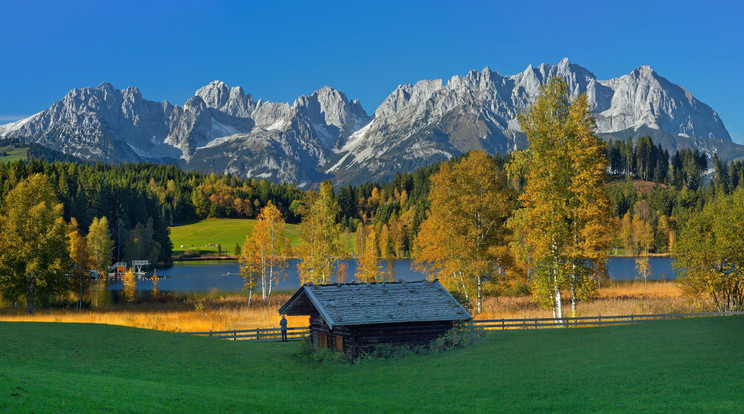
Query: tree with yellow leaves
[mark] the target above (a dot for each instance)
(77, 247)
(100, 246)
(564, 219)
(368, 268)
(130, 283)
(643, 236)
(265, 250)
(710, 253)
(33, 243)
(464, 241)
(320, 244)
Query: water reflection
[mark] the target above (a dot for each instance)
(204, 276)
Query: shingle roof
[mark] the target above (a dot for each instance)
(375, 303)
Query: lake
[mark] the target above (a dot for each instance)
(203, 276)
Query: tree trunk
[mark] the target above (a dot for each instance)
(573, 300)
(480, 294)
(558, 311)
(31, 295)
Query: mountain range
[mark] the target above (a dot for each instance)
(326, 136)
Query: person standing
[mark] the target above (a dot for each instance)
(283, 325)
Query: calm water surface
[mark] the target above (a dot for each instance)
(203, 276)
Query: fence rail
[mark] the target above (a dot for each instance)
(585, 321)
(295, 334)
(258, 334)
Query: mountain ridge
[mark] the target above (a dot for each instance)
(325, 135)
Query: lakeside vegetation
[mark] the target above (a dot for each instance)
(665, 366)
(230, 311)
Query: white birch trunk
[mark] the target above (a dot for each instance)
(480, 294)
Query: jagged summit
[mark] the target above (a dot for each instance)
(325, 135)
(233, 101)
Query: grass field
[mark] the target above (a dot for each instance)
(691, 365)
(10, 153)
(206, 234)
(227, 232)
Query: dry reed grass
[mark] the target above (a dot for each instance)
(619, 298)
(231, 312)
(197, 315)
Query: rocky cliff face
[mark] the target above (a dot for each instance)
(324, 135)
(432, 121)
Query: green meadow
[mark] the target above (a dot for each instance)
(206, 234)
(227, 232)
(691, 365)
(12, 153)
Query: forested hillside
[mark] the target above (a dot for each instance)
(157, 196)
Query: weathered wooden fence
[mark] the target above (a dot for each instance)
(585, 321)
(294, 334)
(258, 334)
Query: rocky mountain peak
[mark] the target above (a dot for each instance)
(195, 102)
(325, 135)
(232, 101)
(331, 114)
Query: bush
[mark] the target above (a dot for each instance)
(308, 353)
(458, 337)
(390, 351)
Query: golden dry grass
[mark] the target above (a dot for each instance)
(231, 312)
(197, 315)
(620, 298)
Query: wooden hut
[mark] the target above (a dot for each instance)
(356, 317)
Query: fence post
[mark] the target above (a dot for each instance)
(235, 335)
(535, 323)
(599, 323)
(502, 324)
(258, 333)
(210, 333)
(631, 319)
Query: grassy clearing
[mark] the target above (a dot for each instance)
(691, 365)
(206, 234)
(11, 153)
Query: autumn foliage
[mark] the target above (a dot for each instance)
(563, 226)
(464, 241)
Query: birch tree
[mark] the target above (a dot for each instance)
(369, 269)
(564, 219)
(464, 240)
(79, 261)
(100, 246)
(320, 246)
(267, 247)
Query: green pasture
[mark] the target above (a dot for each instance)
(228, 232)
(11, 153)
(692, 365)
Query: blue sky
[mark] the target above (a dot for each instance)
(278, 50)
